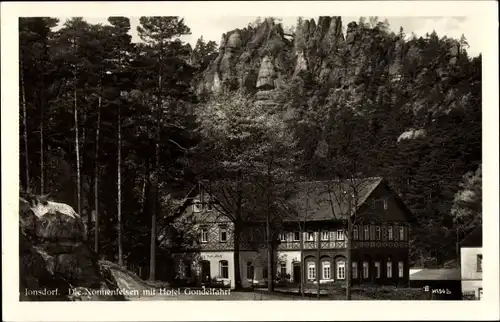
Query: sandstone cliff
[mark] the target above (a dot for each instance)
(360, 67)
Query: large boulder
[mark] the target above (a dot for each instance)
(54, 261)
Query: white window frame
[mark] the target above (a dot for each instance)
(283, 237)
(341, 270)
(366, 232)
(401, 271)
(197, 206)
(326, 269)
(378, 233)
(221, 270)
(390, 235)
(354, 270)
(325, 235)
(366, 270)
(401, 233)
(340, 234)
(283, 265)
(295, 234)
(311, 271)
(221, 230)
(204, 235)
(377, 269)
(389, 269)
(310, 236)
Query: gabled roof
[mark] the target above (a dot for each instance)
(332, 199)
(311, 200)
(474, 238)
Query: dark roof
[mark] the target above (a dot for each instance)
(311, 200)
(326, 200)
(440, 274)
(474, 238)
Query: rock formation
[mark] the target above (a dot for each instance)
(53, 256)
(345, 67)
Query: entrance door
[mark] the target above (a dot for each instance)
(205, 271)
(296, 273)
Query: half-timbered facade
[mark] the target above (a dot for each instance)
(312, 240)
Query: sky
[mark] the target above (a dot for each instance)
(212, 27)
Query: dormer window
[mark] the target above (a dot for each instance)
(223, 234)
(204, 235)
(210, 205)
(197, 206)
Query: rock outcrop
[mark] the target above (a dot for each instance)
(54, 261)
(348, 69)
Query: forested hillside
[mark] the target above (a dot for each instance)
(121, 131)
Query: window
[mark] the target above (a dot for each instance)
(223, 234)
(296, 236)
(264, 272)
(354, 270)
(479, 262)
(366, 270)
(283, 269)
(341, 270)
(204, 235)
(311, 271)
(389, 233)
(355, 233)
(367, 233)
(401, 272)
(402, 233)
(250, 271)
(310, 236)
(340, 234)
(327, 273)
(480, 293)
(283, 237)
(223, 269)
(389, 269)
(385, 204)
(324, 235)
(377, 232)
(197, 207)
(250, 234)
(210, 205)
(377, 269)
(396, 231)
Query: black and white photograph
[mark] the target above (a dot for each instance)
(250, 158)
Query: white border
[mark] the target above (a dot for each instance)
(258, 310)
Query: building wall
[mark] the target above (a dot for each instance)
(288, 258)
(215, 258)
(471, 277)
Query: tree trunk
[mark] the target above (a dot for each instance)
(349, 257)
(152, 263)
(237, 233)
(42, 149)
(318, 265)
(77, 148)
(96, 173)
(302, 268)
(270, 274)
(119, 186)
(25, 125)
